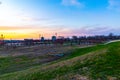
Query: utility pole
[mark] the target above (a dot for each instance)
(56, 35)
(39, 36)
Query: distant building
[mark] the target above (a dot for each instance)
(36, 42)
(53, 38)
(60, 40)
(14, 42)
(42, 39)
(28, 42)
(61, 37)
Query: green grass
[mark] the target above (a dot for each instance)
(82, 51)
(12, 64)
(97, 62)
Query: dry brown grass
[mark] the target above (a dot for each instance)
(71, 62)
(37, 50)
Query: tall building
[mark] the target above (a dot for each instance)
(42, 39)
(53, 38)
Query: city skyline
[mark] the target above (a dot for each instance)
(21, 19)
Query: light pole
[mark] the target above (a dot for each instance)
(2, 39)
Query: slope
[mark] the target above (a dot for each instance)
(92, 63)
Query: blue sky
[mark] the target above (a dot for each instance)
(67, 17)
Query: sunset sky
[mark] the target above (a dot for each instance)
(21, 19)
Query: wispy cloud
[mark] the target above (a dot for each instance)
(114, 4)
(98, 30)
(72, 3)
(14, 28)
(29, 18)
(0, 2)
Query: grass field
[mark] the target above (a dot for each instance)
(100, 62)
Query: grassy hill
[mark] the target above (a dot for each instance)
(101, 62)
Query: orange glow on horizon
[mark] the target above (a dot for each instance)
(23, 32)
(20, 33)
(18, 36)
